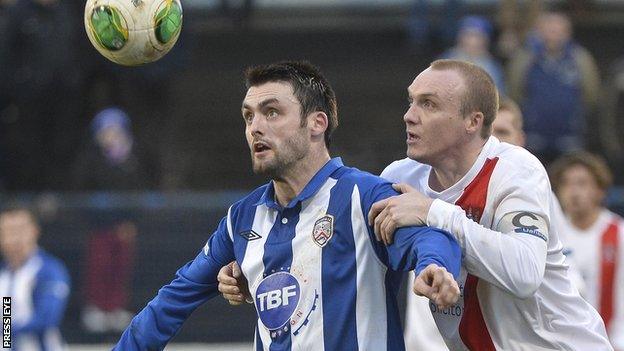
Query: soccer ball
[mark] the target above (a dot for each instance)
(133, 32)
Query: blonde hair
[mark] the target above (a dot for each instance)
(480, 95)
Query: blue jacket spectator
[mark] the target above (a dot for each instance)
(556, 82)
(473, 42)
(37, 282)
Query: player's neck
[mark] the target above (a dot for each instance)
(585, 219)
(289, 185)
(454, 166)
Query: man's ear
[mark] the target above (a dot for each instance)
(318, 123)
(474, 122)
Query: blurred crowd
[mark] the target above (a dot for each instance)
(66, 124)
(53, 84)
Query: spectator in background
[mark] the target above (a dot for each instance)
(509, 124)
(473, 44)
(112, 161)
(40, 75)
(613, 123)
(423, 32)
(556, 82)
(36, 281)
(514, 28)
(581, 181)
(109, 269)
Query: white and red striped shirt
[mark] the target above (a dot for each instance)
(516, 293)
(599, 256)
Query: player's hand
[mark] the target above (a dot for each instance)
(233, 285)
(408, 209)
(438, 285)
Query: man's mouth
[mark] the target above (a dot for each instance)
(412, 137)
(260, 147)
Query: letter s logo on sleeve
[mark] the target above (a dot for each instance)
(524, 223)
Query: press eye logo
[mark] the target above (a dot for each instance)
(6, 322)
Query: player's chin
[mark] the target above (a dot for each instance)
(262, 166)
(415, 153)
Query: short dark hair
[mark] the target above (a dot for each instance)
(309, 85)
(595, 164)
(480, 95)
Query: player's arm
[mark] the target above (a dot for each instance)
(49, 299)
(433, 254)
(195, 283)
(512, 255)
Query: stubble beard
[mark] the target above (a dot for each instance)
(284, 160)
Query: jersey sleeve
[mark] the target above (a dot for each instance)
(49, 299)
(194, 284)
(512, 255)
(414, 248)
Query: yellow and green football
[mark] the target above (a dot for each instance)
(133, 32)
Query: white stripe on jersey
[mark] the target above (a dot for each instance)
(262, 223)
(264, 336)
(21, 290)
(229, 224)
(307, 252)
(374, 334)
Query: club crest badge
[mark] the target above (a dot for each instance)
(323, 230)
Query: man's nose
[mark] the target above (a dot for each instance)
(257, 125)
(410, 116)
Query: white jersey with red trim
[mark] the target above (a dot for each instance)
(599, 257)
(516, 293)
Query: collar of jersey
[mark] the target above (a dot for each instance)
(268, 197)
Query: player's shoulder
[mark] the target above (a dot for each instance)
(404, 170)
(513, 160)
(370, 187)
(249, 200)
(52, 266)
(362, 179)
(617, 220)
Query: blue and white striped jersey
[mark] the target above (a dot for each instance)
(319, 279)
(39, 290)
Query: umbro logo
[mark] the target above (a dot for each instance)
(250, 235)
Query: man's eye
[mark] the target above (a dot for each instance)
(272, 113)
(427, 104)
(248, 117)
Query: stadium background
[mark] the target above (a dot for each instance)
(185, 110)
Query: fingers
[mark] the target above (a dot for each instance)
(402, 188)
(387, 228)
(225, 275)
(236, 271)
(376, 209)
(421, 288)
(232, 294)
(447, 290)
(449, 293)
(234, 299)
(232, 289)
(377, 224)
